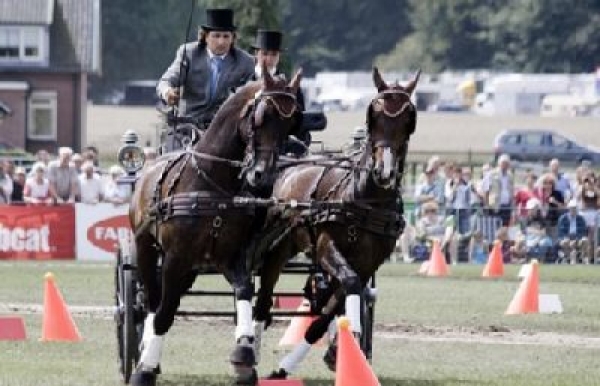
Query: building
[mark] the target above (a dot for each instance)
(47, 50)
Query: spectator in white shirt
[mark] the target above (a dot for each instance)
(90, 184)
(113, 192)
(38, 189)
(6, 186)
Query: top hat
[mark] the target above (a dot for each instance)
(268, 40)
(219, 19)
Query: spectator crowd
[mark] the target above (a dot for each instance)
(544, 215)
(70, 178)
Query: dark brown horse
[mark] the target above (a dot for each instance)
(349, 215)
(183, 213)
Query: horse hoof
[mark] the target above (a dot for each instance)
(143, 378)
(279, 374)
(246, 376)
(330, 357)
(243, 356)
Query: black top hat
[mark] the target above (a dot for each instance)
(268, 40)
(219, 19)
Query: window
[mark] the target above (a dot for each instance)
(21, 43)
(42, 116)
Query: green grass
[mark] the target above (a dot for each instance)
(196, 352)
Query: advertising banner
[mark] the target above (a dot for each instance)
(37, 232)
(99, 228)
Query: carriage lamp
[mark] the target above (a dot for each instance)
(131, 155)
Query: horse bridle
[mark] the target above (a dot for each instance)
(378, 104)
(268, 97)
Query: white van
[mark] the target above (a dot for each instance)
(566, 105)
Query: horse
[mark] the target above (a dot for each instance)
(344, 216)
(187, 219)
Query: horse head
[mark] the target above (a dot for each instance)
(391, 120)
(274, 116)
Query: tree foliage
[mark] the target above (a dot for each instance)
(140, 38)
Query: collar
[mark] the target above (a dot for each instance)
(258, 71)
(212, 55)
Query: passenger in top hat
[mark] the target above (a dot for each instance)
(267, 49)
(212, 67)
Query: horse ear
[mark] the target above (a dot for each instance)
(378, 80)
(295, 82)
(267, 78)
(413, 83)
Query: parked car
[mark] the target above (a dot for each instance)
(530, 145)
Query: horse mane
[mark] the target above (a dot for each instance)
(236, 102)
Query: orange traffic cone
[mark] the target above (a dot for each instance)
(437, 261)
(352, 368)
(297, 328)
(57, 324)
(495, 264)
(526, 300)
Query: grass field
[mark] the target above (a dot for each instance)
(429, 331)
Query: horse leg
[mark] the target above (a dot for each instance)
(242, 357)
(157, 324)
(147, 255)
(313, 334)
(333, 262)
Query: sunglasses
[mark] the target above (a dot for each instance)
(430, 211)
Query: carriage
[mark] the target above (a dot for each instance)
(130, 295)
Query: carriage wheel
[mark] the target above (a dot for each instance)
(367, 320)
(128, 317)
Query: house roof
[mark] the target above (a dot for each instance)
(75, 36)
(37, 12)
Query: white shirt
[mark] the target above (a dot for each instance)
(90, 189)
(7, 187)
(258, 71)
(115, 193)
(37, 191)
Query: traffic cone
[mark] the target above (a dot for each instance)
(57, 324)
(297, 328)
(526, 300)
(437, 261)
(495, 264)
(352, 368)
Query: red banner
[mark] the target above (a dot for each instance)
(37, 232)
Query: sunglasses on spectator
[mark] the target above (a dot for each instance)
(430, 211)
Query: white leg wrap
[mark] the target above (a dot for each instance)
(148, 329)
(244, 319)
(332, 330)
(353, 312)
(259, 327)
(291, 361)
(150, 357)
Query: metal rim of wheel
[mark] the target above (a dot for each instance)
(126, 330)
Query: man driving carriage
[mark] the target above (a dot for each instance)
(203, 74)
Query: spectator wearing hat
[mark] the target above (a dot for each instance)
(572, 234)
(113, 192)
(37, 189)
(204, 72)
(18, 185)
